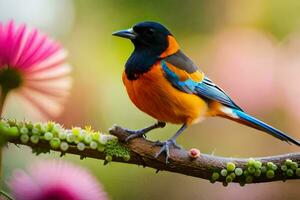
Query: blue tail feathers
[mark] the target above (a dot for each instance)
(255, 123)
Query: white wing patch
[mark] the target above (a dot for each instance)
(229, 112)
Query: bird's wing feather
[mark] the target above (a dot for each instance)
(182, 74)
(182, 62)
(185, 76)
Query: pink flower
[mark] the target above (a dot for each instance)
(258, 72)
(55, 179)
(288, 71)
(244, 63)
(33, 70)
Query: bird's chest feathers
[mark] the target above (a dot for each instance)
(147, 90)
(152, 93)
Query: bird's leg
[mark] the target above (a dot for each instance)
(165, 146)
(142, 132)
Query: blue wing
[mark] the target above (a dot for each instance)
(208, 90)
(205, 89)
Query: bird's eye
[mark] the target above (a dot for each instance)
(149, 32)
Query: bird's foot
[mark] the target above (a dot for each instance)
(165, 147)
(170, 141)
(135, 134)
(142, 132)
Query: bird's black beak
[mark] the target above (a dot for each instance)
(129, 33)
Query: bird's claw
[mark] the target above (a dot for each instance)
(165, 147)
(173, 142)
(134, 134)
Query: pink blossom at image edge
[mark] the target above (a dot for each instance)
(41, 63)
(55, 179)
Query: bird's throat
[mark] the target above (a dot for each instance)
(140, 62)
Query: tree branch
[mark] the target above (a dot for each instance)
(143, 152)
(209, 167)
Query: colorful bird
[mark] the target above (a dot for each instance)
(164, 83)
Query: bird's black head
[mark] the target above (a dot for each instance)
(152, 42)
(150, 36)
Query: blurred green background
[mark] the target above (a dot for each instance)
(251, 48)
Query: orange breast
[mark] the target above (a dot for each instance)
(153, 94)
